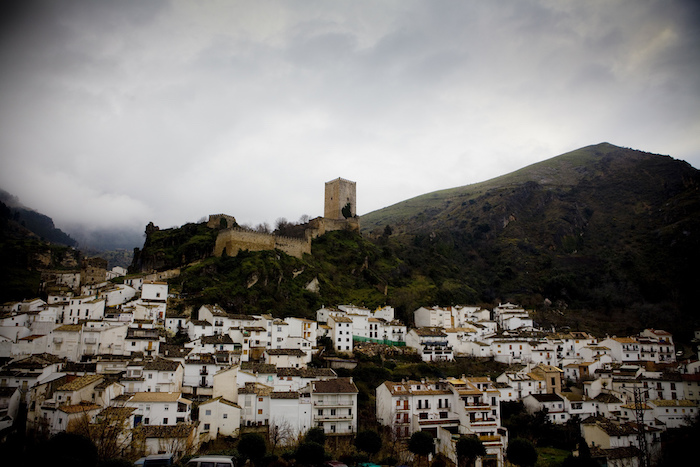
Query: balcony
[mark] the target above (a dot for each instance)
(341, 403)
(328, 418)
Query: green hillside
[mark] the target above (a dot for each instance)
(602, 229)
(602, 238)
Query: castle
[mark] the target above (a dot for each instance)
(339, 213)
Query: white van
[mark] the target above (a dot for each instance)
(212, 461)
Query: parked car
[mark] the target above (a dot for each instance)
(212, 461)
(334, 464)
(158, 460)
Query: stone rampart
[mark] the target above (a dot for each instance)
(234, 240)
(214, 221)
(321, 225)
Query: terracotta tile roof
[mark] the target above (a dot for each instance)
(80, 407)
(255, 388)
(31, 338)
(430, 332)
(289, 352)
(607, 399)
(117, 412)
(69, 328)
(284, 395)
(157, 397)
(334, 386)
(547, 397)
(672, 403)
(81, 382)
(181, 430)
(340, 319)
(306, 372)
(224, 339)
(160, 364)
(221, 400)
(255, 367)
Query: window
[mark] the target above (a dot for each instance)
(208, 412)
(259, 411)
(225, 415)
(165, 421)
(167, 407)
(206, 426)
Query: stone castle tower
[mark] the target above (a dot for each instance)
(339, 193)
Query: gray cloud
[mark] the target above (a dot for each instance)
(119, 113)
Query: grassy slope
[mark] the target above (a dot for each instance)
(603, 229)
(565, 170)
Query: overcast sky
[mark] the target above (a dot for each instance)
(123, 112)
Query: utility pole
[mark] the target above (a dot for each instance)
(640, 396)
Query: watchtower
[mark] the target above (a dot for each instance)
(339, 194)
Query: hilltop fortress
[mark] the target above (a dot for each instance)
(339, 214)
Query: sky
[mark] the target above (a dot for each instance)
(115, 114)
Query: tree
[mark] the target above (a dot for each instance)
(110, 432)
(368, 441)
(521, 452)
(70, 449)
(252, 446)
(347, 210)
(310, 453)
(468, 449)
(315, 435)
(280, 434)
(421, 444)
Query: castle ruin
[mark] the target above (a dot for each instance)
(340, 199)
(339, 213)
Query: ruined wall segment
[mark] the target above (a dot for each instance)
(214, 221)
(234, 240)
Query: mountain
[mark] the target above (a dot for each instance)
(29, 244)
(604, 239)
(34, 222)
(602, 228)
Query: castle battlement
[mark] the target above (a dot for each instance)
(236, 239)
(339, 194)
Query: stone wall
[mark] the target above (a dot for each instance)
(234, 240)
(321, 225)
(214, 221)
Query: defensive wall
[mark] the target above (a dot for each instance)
(214, 221)
(234, 240)
(321, 225)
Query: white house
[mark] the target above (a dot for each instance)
(219, 417)
(335, 406)
(341, 328)
(160, 408)
(430, 343)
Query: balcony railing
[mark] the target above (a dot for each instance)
(339, 403)
(333, 417)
